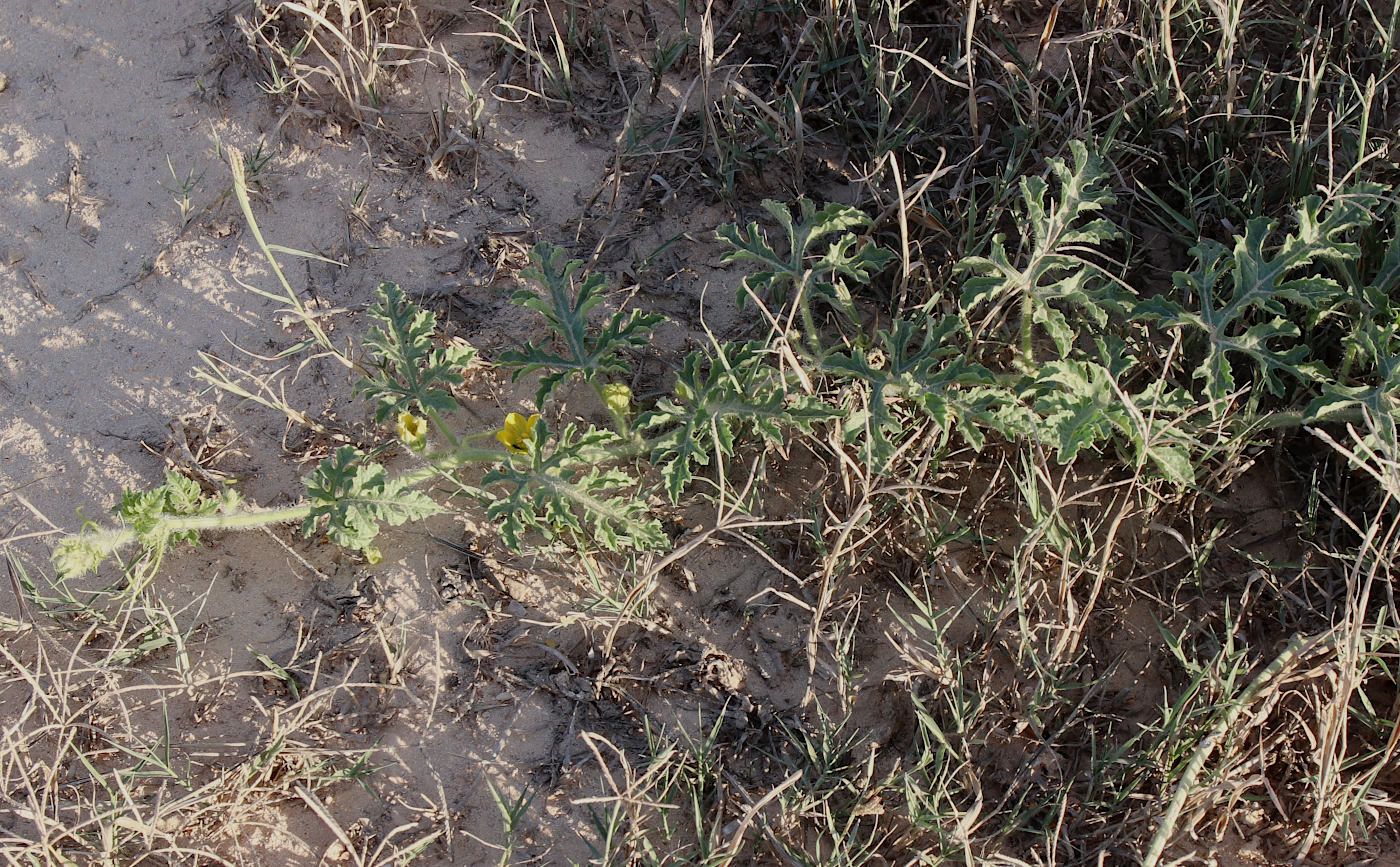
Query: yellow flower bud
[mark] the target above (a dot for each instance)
(413, 431)
(517, 432)
(618, 398)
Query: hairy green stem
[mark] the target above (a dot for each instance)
(1348, 361)
(1296, 418)
(92, 546)
(240, 520)
(443, 429)
(460, 456)
(1186, 784)
(620, 419)
(1028, 333)
(809, 321)
(84, 551)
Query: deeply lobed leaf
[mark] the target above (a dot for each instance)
(585, 353)
(559, 489)
(409, 373)
(350, 498)
(718, 397)
(1245, 302)
(1053, 276)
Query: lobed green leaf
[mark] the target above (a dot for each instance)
(584, 352)
(409, 373)
(559, 489)
(350, 498)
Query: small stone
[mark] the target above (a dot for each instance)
(4, 82)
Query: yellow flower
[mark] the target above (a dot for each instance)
(517, 431)
(618, 398)
(413, 431)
